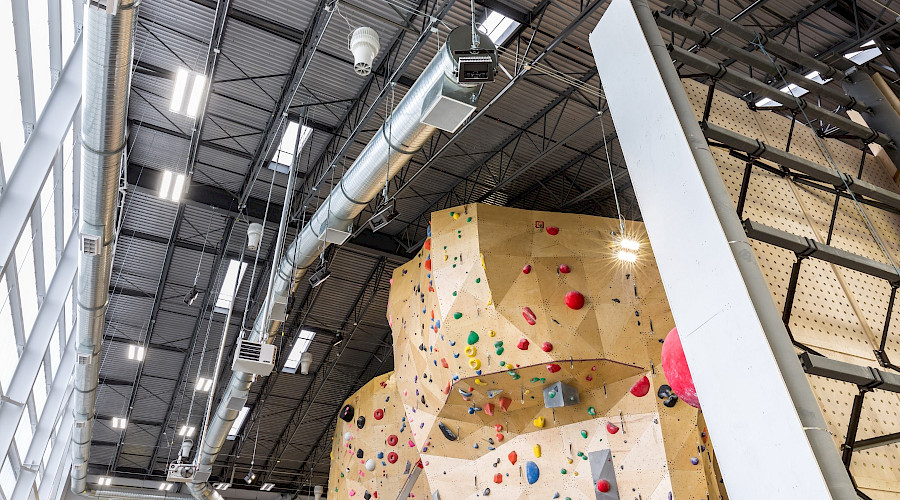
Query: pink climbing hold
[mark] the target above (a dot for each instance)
(523, 344)
(564, 268)
(529, 315)
(552, 230)
(379, 414)
(677, 371)
(603, 486)
(641, 387)
(612, 428)
(513, 457)
(575, 300)
(526, 269)
(546, 347)
(411, 444)
(553, 368)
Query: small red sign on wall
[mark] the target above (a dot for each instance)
(539, 224)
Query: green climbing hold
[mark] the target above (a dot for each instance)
(469, 219)
(580, 453)
(503, 363)
(457, 315)
(498, 343)
(454, 294)
(477, 280)
(562, 471)
(535, 379)
(552, 395)
(452, 214)
(454, 265)
(584, 434)
(592, 411)
(499, 351)
(543, 379)
(473, 338)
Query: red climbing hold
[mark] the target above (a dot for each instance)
(379, 414)
(428, 264)
(565, 269)
(641, 387)
(612, 428)
(603, 486)
(447, 388)
(489, 409)
(677, 371)
(529, 315)
(427, 245)
(513, 457)
(392, 440)
(499, 437)
(392, 457)
(498, 478)
(504, 403)
(444, 363)
(553, 368)
(523, 344)
(589, 378)
(498, 427)
(552, 230)
(546, 347)
(575, 300)
(526, 269)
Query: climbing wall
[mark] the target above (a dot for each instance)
(836, 311)
(373, 454)
(528, 361)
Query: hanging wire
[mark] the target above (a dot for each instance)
(612, 179)
(757, 42)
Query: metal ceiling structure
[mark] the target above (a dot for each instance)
(535, 142)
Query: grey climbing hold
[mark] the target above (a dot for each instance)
(553, 391)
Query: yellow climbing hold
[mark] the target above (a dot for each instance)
(471, 351)
(527, 391)
(539, 422)
(537, 451)
(455, 215)
(475, 364)
(569, 460)
(493, 333)
(478, 381)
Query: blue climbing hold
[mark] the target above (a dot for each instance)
(532, 473)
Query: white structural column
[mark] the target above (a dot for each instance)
(33, 165)
(771, 438)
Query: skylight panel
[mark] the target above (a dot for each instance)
(868, 52)
(498, 27)
(300, 346)
(238, 423)
(283, 158)
(793, 89)
(226, 293)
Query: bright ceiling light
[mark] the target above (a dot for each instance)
(196, 95)
(165, 486)
(136, 352)
(267, 487)
(178, 187)
(630, 244)
(300, 346)
(868, 52)
(171, 186)
(626, 256)
(204, 384)
(119, 423)
(498, 27)
(186, 431)
(165, 184)
(181, 80)
(104, 481)
(238, 422)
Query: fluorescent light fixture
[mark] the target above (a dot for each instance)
(196, 95)
(300, 346)
(267, 487)
(630, 244)
(233, 275)
(238, 423)
(868, 52)
(187, 431)
(204, 384)
(498, 27)
(285, 154)
(181, 80)
(165, 486)
(626, 256)
(222, 486)
(171, 186)
(119, 422)
(104, 481)
(135, 352)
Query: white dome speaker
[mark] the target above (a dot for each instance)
(306, 360)
(317, 491)
(364, 45)
(254, 235)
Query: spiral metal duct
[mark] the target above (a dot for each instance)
(398, 139)
(109, 42)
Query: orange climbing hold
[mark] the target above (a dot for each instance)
(504, 403)
(513, 457)
(428, 264)
(498, 478)
(489, 409)
(444, 363)
(447, 388)
(427, 245)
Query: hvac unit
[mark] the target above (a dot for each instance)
(336, 236)
(181, 473)
(90, 244)
(235, 400)
(279, 308)
(446, 107)
(254, 357)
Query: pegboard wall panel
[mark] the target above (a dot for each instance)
(837, 311)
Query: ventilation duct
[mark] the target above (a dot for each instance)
(398, 139)
(108, 44)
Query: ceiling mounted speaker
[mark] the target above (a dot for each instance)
(364, 45)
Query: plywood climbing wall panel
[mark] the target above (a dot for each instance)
(501, 304)
(836, 311)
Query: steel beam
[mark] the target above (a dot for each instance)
(33, 166)
(688, 212)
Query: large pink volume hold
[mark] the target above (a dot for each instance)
(677, 371)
